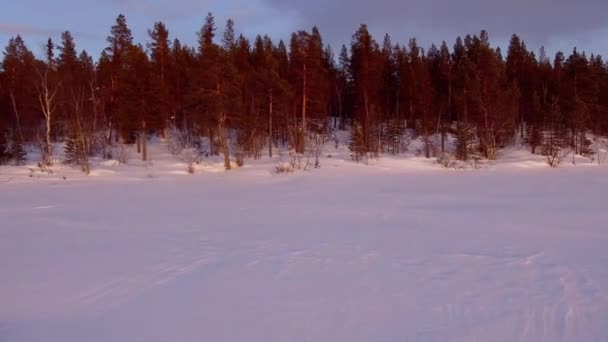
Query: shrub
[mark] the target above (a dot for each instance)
(190, 156)
(446, 160)
(282, 167)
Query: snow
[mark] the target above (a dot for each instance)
(400, 249)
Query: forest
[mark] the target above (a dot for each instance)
(247, 98)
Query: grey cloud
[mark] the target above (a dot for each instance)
(22, 29)
(535, 20)
(11, 29)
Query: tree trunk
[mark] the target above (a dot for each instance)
(442, 139)
(522, 126)
(304, 101)
(211, 134)
(144, 144)
(599, 155)
(94, 108)
(440, 129)
(17, 116)
(46, 97)
(448, 119)
(49, 146)
(270, 124)
(83, 150)
(339, 93)
(367, 124)
(224, 141)
(108, 135)
(466, 115)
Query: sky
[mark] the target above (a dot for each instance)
(559, 25)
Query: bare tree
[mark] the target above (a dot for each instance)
(47, 94)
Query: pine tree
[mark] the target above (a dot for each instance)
(441, 77)
(19, 74)
(120, 42)
(463, 97)
(68, 72)
(422, 105)
(389, 78)
(318, 65)
(367, 80)
(243, 96)
(181, 80)
(136, 103)
(268, 91)
(160, 60)
(218, 95)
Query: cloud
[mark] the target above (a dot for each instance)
(11, 29)
(23, 29)
(537, 21)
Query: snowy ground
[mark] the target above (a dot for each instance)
(399, 250)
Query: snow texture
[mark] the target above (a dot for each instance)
(399, 250)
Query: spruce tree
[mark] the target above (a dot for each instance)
(357, 145)
(393, 137)
(5, 155)
(463, 142)
(534, 129)
(17, 152)
(534, 136)
(556, 138)
(71, 150)
(75, 153)
(343, 82)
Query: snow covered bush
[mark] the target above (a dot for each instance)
(240, 159)
(42, 168)
(282, 167)
(446, 160)
(556, 155)
(190, 156)
(122, 155)
(178, 141)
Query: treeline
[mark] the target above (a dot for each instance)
(245, 97)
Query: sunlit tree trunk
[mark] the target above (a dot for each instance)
(46, 98)
(17, 116)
